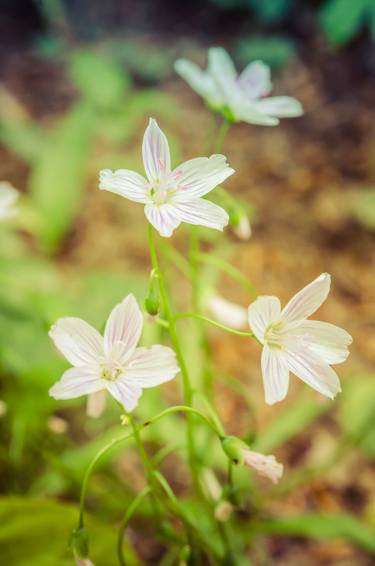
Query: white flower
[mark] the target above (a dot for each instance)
(266, 466)
(239, 97)
(226, 312)
(171, 196)
(8, 198)
(243, 228)
(111, 363)
(293, 344)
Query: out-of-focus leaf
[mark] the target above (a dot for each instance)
(320, 527)
(364, 208)
(288, 423)
(99, 78)
(35, 533)
(272, 11)
(341, 20)
(276, 51)
(151, 63)
(357, 411)
(56, 181)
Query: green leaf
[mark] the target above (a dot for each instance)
(35, 533)
(57, 179)
(364, 208)
(321, 527)
(341, 20)
(357, 411)
(276, 51)
(288, 423)
(99, 78)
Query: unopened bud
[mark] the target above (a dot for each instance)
(223, 511)
(234, 448)
(152, 305)
(240, 223)
(79, 542)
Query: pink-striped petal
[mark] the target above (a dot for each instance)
(123, 329)
(308, 300)
(151, 366)
(78, 341)
(127, 394)
(275, 373)
(199, 176)
(128, 184)
(261, 313)
(155, 152)
(164, 218)
(203, 213)
(76, 382)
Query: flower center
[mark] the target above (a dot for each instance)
(110, 371)
(273, 335)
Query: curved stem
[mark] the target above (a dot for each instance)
(229, 270)
(187, 389)
(214, 323)
(124, 523)
(186, 409)
(91, 466)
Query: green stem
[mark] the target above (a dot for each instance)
(91, 466)
(214, 323)
(125, 521)
(229, 270)
(187, 389)
(223, 130)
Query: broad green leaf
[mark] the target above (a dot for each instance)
(341, 20)
(319, 526)
(276, 51)
(36, 532)
(99, 78)
(288, 423)
(57, 179)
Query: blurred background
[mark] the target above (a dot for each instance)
(78, 82)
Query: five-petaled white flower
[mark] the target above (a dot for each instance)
(291, 343)
(8, 198)
(240, 97)
(171, 196)
(111, 363)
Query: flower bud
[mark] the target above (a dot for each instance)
(234, 448)
(79, 542)
(240, 223)
(152, 304)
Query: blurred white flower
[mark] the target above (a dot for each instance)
(266, 466)
(226, 312)
(291, 343)
(241, 97)
(111, 363)
(8, 198)
(171, 196)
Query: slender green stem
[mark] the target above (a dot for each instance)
(125, 521)
(223, 130)
(214, 323)
(229, 270)
(187, 389)
(215, 427)
(90, 468)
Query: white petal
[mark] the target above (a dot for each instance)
(275, 374)
(306, 365)
(199, 176)
(255, 80)
(164, 218)
(77, 340)
(128, 184)
(329, 342)
(266, 466)
(203, 213)
(123, 329)
(199, 80)
(155, 152)
(125, 393)
(151, 366)
(280, 106)
(308, 300)
(76, 382)
(96, 403)
(248, 111)
(261, 313)
(221, 68)
(227, 313)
